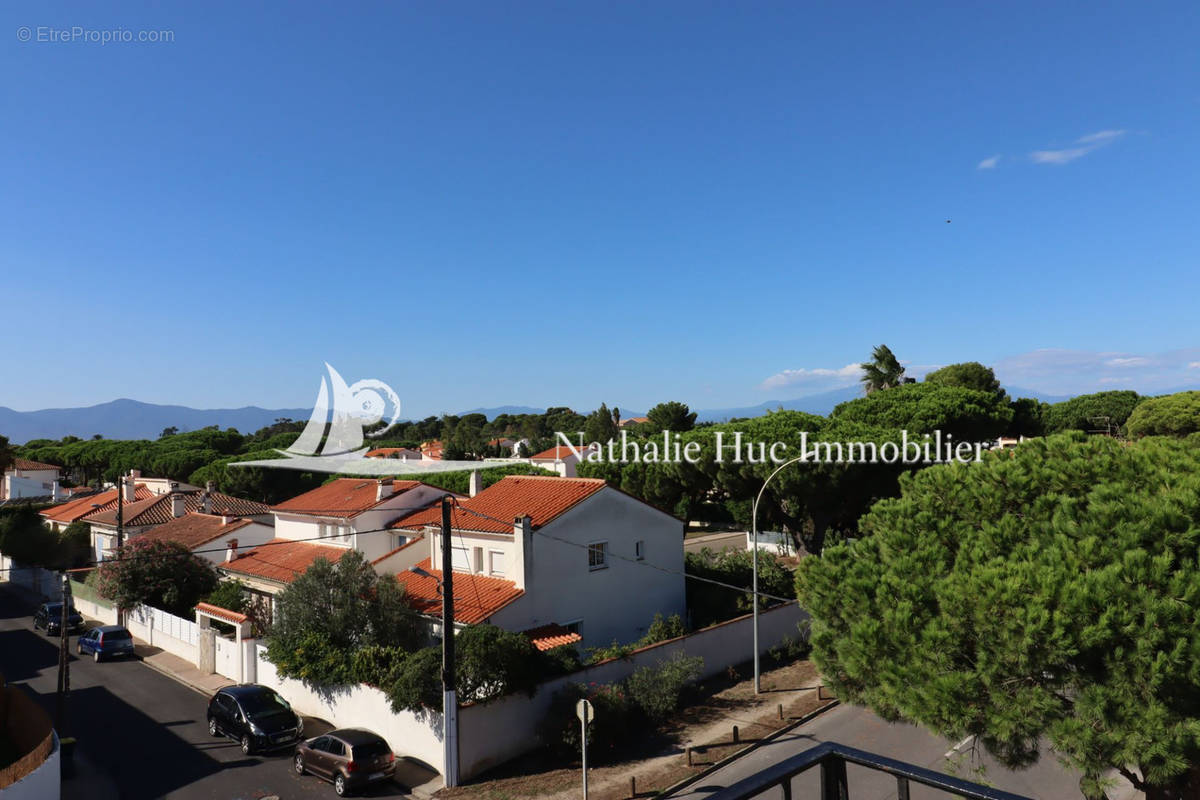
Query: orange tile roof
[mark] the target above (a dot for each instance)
(223, 613)
(387, 452)
(25, 463)
(156, 510)
(194, 529)
(558, 452)
(542, 497)
(81, 507)
(476, 597)
(344, 497)
(281, 560)
(548, 637)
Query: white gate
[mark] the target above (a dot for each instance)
(227, 658)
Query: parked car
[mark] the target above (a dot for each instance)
(49, 617)
(105, 641)
(349, 758)
(254, 716)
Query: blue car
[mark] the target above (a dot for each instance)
(105, 641)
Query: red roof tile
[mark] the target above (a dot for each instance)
(81, 507)
(548, 637)
(541, 497)
(194, 529)
(344, 497)
(156, 510)
(392, 452)
(222, 613)
(476, 597)
(25, 463)
(281, 560)
(558, 453)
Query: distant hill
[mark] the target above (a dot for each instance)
(132, 419)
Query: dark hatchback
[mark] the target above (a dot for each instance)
(349, 758)
(49, 618)
(255, 717)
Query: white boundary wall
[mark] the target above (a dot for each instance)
(419, 737)
(171, 633)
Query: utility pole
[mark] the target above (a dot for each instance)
(120, 531)
(64, 664)
(449, 695)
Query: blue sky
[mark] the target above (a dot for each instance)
(569, 203)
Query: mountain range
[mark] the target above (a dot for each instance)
(132, 419)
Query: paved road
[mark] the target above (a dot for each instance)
(860, 728)
(141, 734)
(716, 542)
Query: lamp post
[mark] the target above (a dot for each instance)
(754, 561)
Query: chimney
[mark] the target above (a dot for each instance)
(210, 486)
(230, 549)
(135, 473)
(476, 482)
(128, 489)
(523, 550)
(383, 489)
(206, 500)
(178, 503)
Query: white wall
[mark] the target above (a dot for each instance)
(44, 783)
(617, 602)
(362, 706)
(28, 483)
(248, 536)
(502, 730)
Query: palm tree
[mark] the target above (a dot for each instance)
(883, 371)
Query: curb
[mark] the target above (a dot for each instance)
(173, 676)
(729, 759)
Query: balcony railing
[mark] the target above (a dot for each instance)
(831, 758)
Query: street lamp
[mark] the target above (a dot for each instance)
(754, 561)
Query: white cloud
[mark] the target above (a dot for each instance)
(1084, 145)
(989, 163)
(820, 376)
(1058, 371)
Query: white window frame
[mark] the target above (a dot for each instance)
(491, 562)
(600, 547)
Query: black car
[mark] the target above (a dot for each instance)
(255, 716)
(49, 617)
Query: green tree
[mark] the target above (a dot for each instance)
(921, 408)
(1029, 417)
(599, 426)
(1171, 415)
(6, 454)
(968, 375)
(229, 595)
(171, 431)
(670, 416)
(160, 574)
(883, 371)
(333, 609)
(1102, 411)
(1047, 593)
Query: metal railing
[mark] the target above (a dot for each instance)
(831, 758)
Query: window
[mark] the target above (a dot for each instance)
(598, 555)
(460, 559)
(639, 550)
(339, 532)
(496, 562)
(477, 563)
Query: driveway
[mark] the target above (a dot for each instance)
(141, 734)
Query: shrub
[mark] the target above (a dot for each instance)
(161, 574)
(493, 662)
(614, 717)
(416, 684)
(661, 630)
(228, 595)
(658, 690)
(792, 648)
(377, 665)
(561, 660)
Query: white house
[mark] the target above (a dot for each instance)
(327, 522)
(561, 459)
(25, 478)
(140, 516)
(211, 536)
(548, 553)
